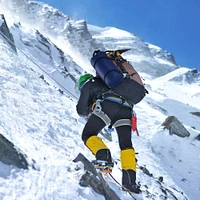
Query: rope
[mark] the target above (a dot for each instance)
(75, 98)
(121, 185)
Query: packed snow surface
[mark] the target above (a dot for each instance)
(42, 121)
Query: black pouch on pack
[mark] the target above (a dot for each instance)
(131, 90)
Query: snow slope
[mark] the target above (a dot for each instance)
(42, 121)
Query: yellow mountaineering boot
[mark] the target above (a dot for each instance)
(102, 153)
(128, 163)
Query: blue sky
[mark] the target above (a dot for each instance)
(173, 25)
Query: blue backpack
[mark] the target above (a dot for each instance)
(107, 68)
(116, 77)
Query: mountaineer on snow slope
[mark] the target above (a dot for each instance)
(107, 99)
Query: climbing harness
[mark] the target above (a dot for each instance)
(97, 110)
(99, 113)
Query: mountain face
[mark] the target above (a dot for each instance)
(84, 39)
(38, 106)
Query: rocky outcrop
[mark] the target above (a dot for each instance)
(5, 32)
(198, 137)
(10, 155)
(175, 127)
(196, 113)
(95, 179)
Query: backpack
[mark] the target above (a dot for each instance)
(118, 74)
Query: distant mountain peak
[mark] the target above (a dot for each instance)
(191, 76)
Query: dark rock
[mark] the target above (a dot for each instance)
(196, 113)
(5, 32)
(10, 155)
(145, 170)
(175, 127)
(198, 137)
(95, 179)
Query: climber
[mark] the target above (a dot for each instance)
(102, 107)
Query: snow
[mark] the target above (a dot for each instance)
(43, 123)
(163, 61)
(96, 29)
(153, 46)
(113, 32)
(176, 157)
(180, 91)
